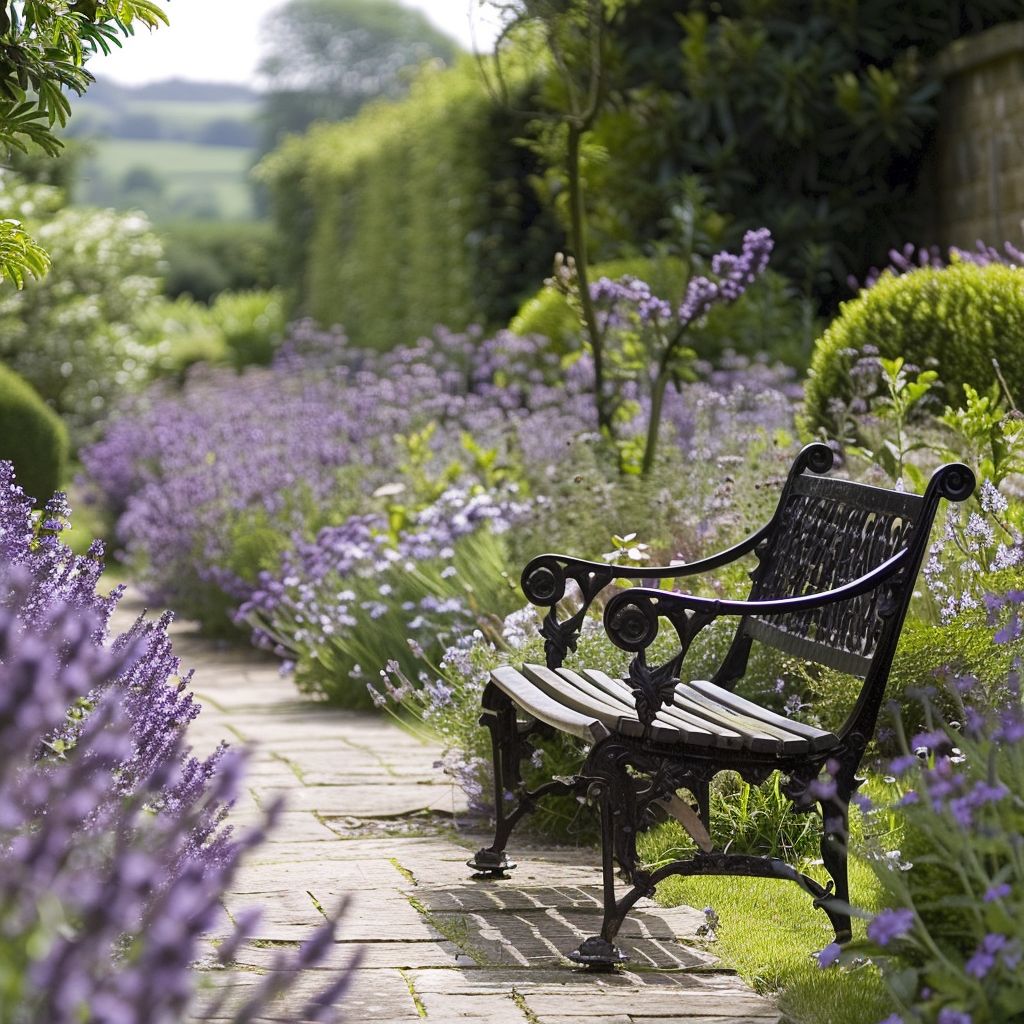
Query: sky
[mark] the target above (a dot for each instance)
(219, 40)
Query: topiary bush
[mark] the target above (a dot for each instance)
(32, 436)
(957, 319)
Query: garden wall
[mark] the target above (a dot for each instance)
(977, 165)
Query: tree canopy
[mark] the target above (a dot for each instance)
(323, 59)
(44, 46)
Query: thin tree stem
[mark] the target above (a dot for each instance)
(578, 241)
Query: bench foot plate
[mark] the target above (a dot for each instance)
(487, 862)
(597, 954)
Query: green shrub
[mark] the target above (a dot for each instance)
(388, 261)
(31, 436)
(180, 332)
(251, 323)
(961, 317)
(205, 259)
(770, 317)
(73, 334)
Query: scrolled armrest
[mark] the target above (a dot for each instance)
(631, 617)
(544, 578)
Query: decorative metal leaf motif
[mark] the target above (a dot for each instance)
(559, 638)
(652, 687)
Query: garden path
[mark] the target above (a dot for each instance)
(369, 817)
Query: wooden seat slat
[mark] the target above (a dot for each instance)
(722, 736)
(691, 731)
(562, 690)
(763, 738)
(819, 739)
(538, 704)
(746, 731)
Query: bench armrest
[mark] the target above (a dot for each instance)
(544, 578)
(631, 617)
(544, 581)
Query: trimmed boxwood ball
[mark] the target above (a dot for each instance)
(32, 436)
(956, 320)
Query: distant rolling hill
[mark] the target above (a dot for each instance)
(179, 150)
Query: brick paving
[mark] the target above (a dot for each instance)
(370, 819)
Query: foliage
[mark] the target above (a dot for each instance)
(203, 259)
(20, 254)
(324, 59)
(808, 118)
(177, 334)
(950, 939)
(116, 855)
(768, 319)
(32, 436)
(359, 247)
(252, 325)
(45, 47)
(354, 600)
(956, 320)
(72, 334)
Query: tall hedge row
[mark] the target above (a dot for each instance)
(415, 212)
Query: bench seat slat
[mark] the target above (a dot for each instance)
(722, 736)
(751, 735)
(562, 690)
(537, 703)
(693, 731)
(819, 739)
(764, 738)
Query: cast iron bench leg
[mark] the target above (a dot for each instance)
(510, 745)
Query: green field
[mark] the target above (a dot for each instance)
(187, 179)
(175, 115)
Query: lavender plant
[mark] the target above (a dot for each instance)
(950, 940)
(207, 489)
(642, 334)
(114, 851)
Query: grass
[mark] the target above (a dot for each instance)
(769, 932)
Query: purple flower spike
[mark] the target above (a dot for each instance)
(889, 925)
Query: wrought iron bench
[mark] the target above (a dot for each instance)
(836, 568)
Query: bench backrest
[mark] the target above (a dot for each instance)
(825, 533)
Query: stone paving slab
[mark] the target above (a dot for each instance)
(371, 820)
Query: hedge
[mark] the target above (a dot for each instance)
(956, 320)
(415, 212)
(32, 436)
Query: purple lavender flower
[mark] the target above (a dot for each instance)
(112, 831)
(948, 1015)
(890, 924)
(997, 892)
(829, 955)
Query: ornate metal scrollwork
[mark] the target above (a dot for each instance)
(544, 583)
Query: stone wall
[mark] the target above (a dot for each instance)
(976, 168)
